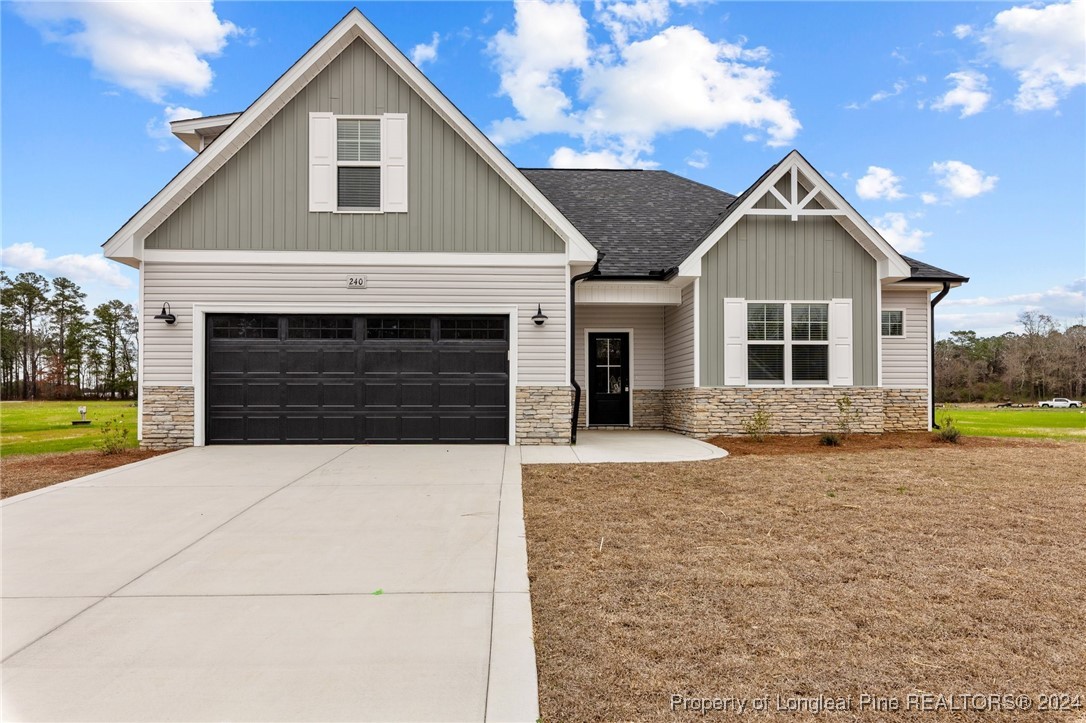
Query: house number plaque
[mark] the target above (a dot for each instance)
(356, 282)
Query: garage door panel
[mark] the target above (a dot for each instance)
(316, 380)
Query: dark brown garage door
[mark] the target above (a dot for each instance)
(287, 379)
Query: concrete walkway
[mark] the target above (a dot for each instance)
(596, 446)
(272, 583)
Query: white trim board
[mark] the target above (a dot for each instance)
(351, 258)
(199, 346)
(890, 263)
(126, 245)
(637, 292)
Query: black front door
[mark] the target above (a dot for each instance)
(609, 378)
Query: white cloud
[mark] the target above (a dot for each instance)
(698, 159)
(149, 48)
(565, 157)
(425, 52)
(994, 315)
(879, 183)
(894, 227)
(77, 267)
(962, 31)
(159, 128)
(1045, 47)
(962, 180)
(623, 19)
(929, 198)
(881, 95)
(694, 82)
(970, 93)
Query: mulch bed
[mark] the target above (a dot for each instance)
(809, 444)
(950, 570)
(26, 472)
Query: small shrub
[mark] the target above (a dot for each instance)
(830, 440)
(847, 415)
(114, 439)
(948, 431)
(757, 427)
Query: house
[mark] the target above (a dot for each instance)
(351, 260)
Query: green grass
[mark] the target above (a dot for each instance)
(38, 427)
(1065, 424)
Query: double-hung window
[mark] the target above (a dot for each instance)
(788, 343)
(893, 322)
(358, 164)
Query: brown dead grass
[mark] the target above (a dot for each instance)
(948, 570)
(809, 443)
(26, 472)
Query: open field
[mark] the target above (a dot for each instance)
(39, 427)
(1066, 424)
(951, 569)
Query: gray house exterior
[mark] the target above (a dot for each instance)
(351, 260)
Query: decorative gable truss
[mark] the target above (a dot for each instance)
(791, 189)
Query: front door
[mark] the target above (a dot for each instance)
(609, 378)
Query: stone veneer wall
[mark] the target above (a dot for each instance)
(702, 412)
(648, 410)
(543, 415)
(167, 417)
(905, 410)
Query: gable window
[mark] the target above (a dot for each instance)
(893, 322)
(358, 164)
(796, 352)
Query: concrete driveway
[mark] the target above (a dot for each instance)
(273, 583)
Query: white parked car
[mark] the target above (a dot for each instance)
(1060, 403)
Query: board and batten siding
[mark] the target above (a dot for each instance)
(777, 259)
(259, 199)
(167, 350)
(905, 359)
(647, 324)
(679, 342)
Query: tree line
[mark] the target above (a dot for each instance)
(53, 347)
(1042, 362)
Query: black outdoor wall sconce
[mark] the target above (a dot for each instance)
(539, 318)
(165, 314)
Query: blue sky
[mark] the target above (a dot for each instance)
(958, 129)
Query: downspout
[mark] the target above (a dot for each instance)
(594, 271)
(931, 320)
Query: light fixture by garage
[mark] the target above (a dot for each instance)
(539, 318)
(166, 314)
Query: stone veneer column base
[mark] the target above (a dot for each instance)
(648, 410)
(708, 411)
(167, 417)
(543, 415)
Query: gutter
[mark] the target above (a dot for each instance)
(931, 321)
(594, 271)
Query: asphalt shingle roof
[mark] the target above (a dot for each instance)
(645, 221)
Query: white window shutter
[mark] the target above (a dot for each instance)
(841, 342)
(394, 148)
(735, 337)
(322, 162)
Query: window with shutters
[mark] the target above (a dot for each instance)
(358, 164)
(788, 342)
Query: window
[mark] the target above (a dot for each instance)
(493, 329)
(893, 322)
(320, 327)
(358, 163)
(397, 327)
(792, 353)
(245, 327)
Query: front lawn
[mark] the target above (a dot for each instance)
(39, 427)
(947, 570)
(1067, 424)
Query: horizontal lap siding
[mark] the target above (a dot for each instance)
(259, 199)
(647, 323)
(168, 350)
(905, 359)
(679, 342)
